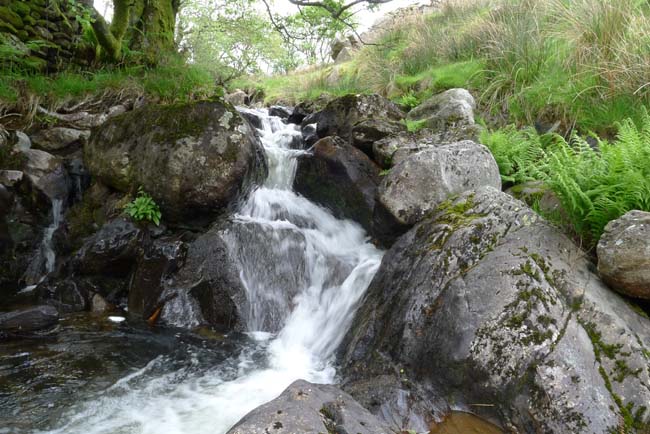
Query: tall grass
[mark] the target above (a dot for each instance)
(583, 62)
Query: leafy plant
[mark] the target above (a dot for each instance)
(408, 100)
(520, 154)
(596, 182)
(143, 208)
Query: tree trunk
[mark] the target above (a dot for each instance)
(152, 33)
(144, 26)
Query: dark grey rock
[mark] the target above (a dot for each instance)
(339, 177)
(207, 289)
(112, 251)
(160, 260)
(373, 116)
(280, 111)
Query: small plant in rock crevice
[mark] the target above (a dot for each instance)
(143, 208)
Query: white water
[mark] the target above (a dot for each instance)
(325, 263)
(45, 259)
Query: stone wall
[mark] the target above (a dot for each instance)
(42, 35)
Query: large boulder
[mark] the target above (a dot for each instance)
(624, 254)
(360, 119)
(449, 109)
(490, 304)
(339, 177)
(422, 181)
(308, 408)
(194, 159)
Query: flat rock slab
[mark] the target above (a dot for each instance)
(306, 408)
(28, 320)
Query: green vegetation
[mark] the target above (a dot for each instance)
(143, 208)
(594, 184)
(171, 82)
(584, 63)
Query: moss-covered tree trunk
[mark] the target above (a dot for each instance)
(144, 26)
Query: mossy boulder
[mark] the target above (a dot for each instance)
(488, 303)
(420, 182)
(196, 160)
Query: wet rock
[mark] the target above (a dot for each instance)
(66, 295)
(452, 108)
(488, 303)
(422, 181)
(252, 117)
(57, 138)
(624, 254)
(280, 111)
(238, 97)
(339, 177)
(112, 251)
(6, 202)
(311, 408)
(373, 117)
(79, 178)
(207, 289)
(309, 135)
(46, 173)
(160, 260)
(28, 320)
(207, 152)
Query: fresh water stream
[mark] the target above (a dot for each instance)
(304, 273)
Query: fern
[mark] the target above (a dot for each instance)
(594, 184)
(520, 154)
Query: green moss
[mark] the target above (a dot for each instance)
(600, 347)
(528, 270)
(11, 160)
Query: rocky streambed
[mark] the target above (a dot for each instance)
(317, 269)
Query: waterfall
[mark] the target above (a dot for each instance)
(45, 259)
(304, 272)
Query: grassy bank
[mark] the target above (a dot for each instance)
(173, 81)
(585, 63)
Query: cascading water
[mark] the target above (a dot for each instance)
(45, 258)
(304, 272)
